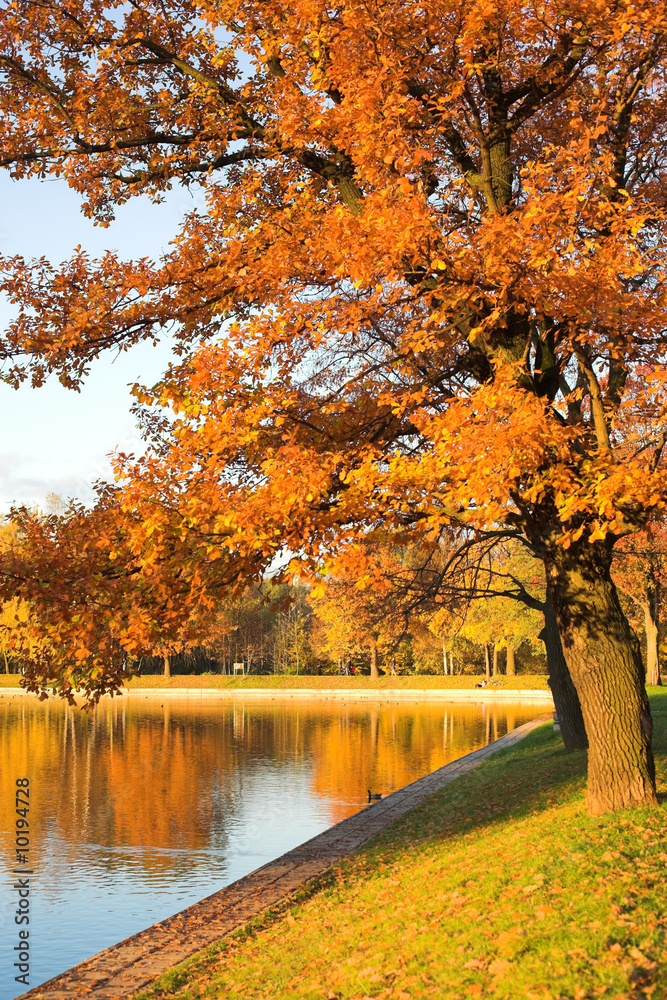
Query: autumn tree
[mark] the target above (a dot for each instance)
(337, 629)
(362, 607)
(444, 624)
(427, 285)
(500, 622)
(19, 640)
(15, 632)
(639, 571)
(291, 632)
(348, 622)
(239, 630)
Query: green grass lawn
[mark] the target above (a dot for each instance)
(285, 682)
(499, 886)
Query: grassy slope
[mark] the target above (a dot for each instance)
(501, 886)
(283, 682)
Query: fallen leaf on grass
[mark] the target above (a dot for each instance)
(474, 963)
(499, 966)
(641, 959)
(507, 942)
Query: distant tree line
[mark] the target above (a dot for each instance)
(460, 610)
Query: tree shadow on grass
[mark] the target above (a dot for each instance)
(658, 699)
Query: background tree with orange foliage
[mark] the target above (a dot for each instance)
(639, 571)
(362, 606)
(427, 287)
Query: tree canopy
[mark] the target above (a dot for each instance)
(424, 287)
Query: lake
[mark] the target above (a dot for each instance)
(148, 804)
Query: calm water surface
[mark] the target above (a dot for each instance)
(147, 805)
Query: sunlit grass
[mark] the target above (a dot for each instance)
(500, 886)
(329, 681)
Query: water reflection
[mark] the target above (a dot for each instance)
(143, 806)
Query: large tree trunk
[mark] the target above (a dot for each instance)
(604, 659)
(166, 672)
(487, 661)
(563, 691)
(510, 668)
(495, 661)
(374, 658)
(651, 626)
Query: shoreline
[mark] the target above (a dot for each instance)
(385, 694)
(526, 688)
(452, 695)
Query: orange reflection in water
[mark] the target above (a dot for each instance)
(383, 747)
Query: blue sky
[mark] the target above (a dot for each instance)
(57, 440)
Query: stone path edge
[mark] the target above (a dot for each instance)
(125, 968)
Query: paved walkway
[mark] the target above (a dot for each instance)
(127, 967)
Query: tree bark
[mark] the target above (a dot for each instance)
(495, 661)
(374, 658)
(564, 693)
(604, 660)
(487, 661)
(167, 671)
(510, 668)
